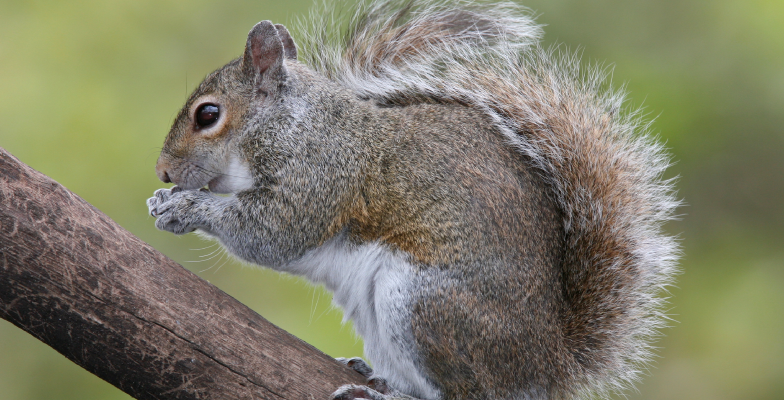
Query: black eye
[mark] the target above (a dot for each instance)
(206, 115)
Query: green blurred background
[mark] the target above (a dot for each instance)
(88, 90)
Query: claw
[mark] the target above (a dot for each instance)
(357, 364)
(378, 384)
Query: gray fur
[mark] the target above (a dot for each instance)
(517, 199)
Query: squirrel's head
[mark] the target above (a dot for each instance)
(202, 147)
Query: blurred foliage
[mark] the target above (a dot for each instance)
(88, 88)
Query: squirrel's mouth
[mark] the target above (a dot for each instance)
(233, 178)
(214, 184)
(188, 175)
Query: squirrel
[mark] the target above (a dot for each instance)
(486, 211)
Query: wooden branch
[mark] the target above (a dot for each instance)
(76, 280)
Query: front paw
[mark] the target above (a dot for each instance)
(160, 197)
(178, 211)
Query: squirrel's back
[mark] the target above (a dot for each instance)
(597, 161)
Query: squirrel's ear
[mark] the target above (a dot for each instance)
(289, 47)
(264, 50)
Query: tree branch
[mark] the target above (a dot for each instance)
(76, 280)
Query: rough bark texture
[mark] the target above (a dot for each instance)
(76, 280)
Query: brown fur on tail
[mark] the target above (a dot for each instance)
(598, 158)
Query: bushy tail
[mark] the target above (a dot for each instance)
(601, 162)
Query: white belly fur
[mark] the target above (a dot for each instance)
(372, 285)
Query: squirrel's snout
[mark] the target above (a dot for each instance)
(163, 175)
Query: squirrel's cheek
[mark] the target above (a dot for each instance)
(234, 178)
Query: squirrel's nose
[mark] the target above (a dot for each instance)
(162, 174)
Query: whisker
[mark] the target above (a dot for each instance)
(210, 253)
(203, 169)
(221, 254)
(221, 266)
(218, 173)
(205, 248)
(313, 299)
(326, 310)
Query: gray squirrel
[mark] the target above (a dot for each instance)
(488, 214)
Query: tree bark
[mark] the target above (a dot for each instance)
(76, 280)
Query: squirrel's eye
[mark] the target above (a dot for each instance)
(206, 115)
